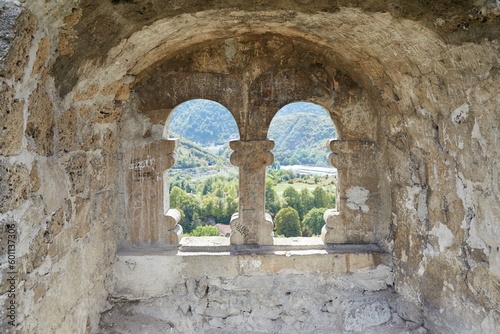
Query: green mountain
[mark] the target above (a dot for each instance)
(190, 155)
(300, 132)
(204, 122)
(301, 138)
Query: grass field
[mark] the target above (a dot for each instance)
(299, 184)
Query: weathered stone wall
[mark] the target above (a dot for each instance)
(424, 93)
(58, 162)
(426, 77)
(294, 287)
(445, 195)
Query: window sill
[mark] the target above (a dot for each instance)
(149, 273)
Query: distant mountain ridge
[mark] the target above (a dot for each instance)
(300, 132)
(204, 122)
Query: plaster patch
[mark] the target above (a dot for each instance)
(412, 193)
(421, 269)
(356, 198)
(444, 235)
(494, 260)
(476, 134)
(460, 114)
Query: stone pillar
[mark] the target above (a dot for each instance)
(352, 221)
(150, 221)
(251, 225)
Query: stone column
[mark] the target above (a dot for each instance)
(352, 221)
(251, 225)
(150, 221)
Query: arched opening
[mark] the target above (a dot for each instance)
(203, 185)
(300, 183)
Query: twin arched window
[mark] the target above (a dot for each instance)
(299, 130)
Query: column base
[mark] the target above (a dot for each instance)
(259, 233)
(334, 231)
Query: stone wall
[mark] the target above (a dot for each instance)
(297, 286)
(57, 183)
(421, 82)
(445, 194)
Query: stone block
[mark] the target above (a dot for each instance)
(76, 167)
(360, 315)
(172, 218)
(11, 121)
(67, 131)
(109, 113)
(40, 127)
(14, 186)
(17, 28)
(41, 56)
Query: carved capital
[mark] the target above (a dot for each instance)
(344, 150)
(334, 231)
(251, 154)
(169, 145)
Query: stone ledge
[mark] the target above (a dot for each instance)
(221, 244)
(148, 273)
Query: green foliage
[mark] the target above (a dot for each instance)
(321, 198)
(306, 202)
(300, 132)
(204, 121)
(291, 198)
(212, 199)
(188, 203)
(205, 231)
(273, 203)
(288, 223)
(314, 221)
(191, 155)
(281, 175)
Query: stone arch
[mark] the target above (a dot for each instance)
(263, 73)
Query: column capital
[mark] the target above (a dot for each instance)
(342, 150)
(169, 145)
(251, 154)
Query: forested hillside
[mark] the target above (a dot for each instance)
(300, 132)
(204, 122)
(301, 138)
(191, 155)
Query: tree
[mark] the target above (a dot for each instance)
(272, 199)
(196, 221)
(314, 221)
(205, 231)
(231, 207)
(306, 202)
(291, 197)
(321, 198)
(288, 223)
(188, 203)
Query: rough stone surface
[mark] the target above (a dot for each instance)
(14, 186)
(40, 127)
(214, 292)
(11, 120)
(8, 17)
